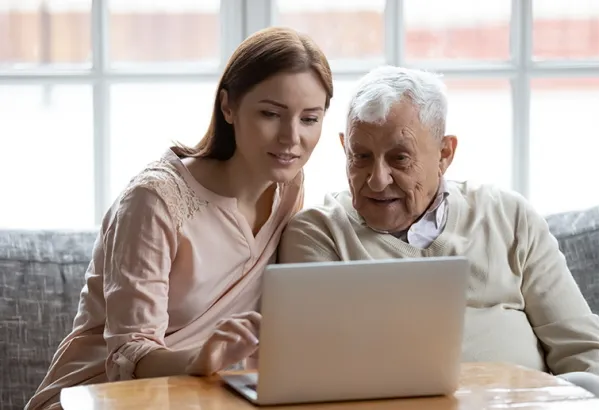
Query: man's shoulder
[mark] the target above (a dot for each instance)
(333, 209)
(478, 194)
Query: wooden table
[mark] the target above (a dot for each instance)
(482, 386)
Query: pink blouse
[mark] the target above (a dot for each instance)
(172, 259)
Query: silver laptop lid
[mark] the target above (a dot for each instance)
(361, 330)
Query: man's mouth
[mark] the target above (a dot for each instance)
(383, 201)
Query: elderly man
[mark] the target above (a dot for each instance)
(524, 306)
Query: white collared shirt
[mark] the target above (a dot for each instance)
(424, 231)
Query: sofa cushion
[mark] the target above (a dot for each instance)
(41, 276)
(578, 235)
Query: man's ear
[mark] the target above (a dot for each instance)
(225, 106)
(342, 140)
(449, 143)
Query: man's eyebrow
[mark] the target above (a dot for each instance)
(404, 144)
(281, 105)
(357, 146)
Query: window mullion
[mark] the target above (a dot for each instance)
(521, 55)
(393, 29)
(258, 14)
(101, 108)
(232, 28)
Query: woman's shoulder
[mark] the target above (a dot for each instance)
(162, 179)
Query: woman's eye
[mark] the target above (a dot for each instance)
(310, 120)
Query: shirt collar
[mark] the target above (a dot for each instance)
(441, 194)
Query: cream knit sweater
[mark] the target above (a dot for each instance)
(524, 306)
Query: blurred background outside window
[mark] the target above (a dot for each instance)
(90, 92)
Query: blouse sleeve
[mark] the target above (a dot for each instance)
(140, 245)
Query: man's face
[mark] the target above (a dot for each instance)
(394, 168)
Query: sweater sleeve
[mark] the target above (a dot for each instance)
(140, 244)
(304, 240)
(557, 310)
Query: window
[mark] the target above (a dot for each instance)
(164, 32)
(46, 156)
(84, 84)
(45, 33)
(566, 29)
(487, 150)
(147, 118)
(334, 26)
(457, 30)
(564, 143)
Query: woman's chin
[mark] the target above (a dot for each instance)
(283, 176)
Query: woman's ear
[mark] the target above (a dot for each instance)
(225, 106)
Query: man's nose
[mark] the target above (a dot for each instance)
(289, 133)
(380, 177)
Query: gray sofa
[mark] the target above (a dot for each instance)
(41, 275)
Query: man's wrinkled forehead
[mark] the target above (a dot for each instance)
(379, 136)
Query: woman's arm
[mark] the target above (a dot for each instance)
(164, 362)
(140, 245)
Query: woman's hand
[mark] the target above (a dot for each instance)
(233, 340)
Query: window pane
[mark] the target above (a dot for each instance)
(350, 29)
(566, 29)
(44, 32)
(480, 115)
(175, 31)
(564, 143)
(325, 171)
(147, 118)
(46, 157)
(457, 30)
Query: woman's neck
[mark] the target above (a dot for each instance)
(242, 183)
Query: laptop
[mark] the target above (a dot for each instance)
(358, 330)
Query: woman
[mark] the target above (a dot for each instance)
(174, 281)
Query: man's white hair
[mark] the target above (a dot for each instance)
(385, 86)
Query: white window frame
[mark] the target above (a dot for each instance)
(241, 18)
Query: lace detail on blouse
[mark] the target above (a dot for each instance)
(162, 177)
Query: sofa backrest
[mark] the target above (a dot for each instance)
(42, 273)
(578, 236)
(41, 276)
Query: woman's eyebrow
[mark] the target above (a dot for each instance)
(281, 105)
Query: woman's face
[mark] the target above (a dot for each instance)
(277, 124)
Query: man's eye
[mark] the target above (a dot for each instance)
(269, 114)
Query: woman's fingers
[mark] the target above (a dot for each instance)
(224, 336)
(254, 317)
(241, 329)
